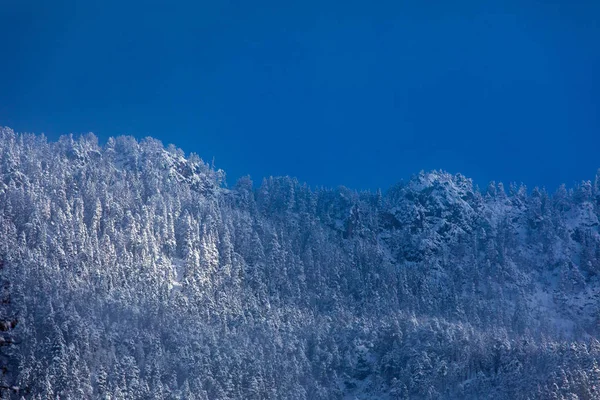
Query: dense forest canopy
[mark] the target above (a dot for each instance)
(136, 273)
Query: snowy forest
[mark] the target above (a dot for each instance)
(129, 270)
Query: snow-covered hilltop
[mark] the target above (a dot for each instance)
(134, 273)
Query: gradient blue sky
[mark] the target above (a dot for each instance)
(357, 93)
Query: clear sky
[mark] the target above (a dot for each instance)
(358, 93)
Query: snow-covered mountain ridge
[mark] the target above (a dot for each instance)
(136, 273)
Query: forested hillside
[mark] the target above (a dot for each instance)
(135, 272)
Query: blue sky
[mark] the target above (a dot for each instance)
(354, 93)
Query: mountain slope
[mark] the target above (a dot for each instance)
(135, 273)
